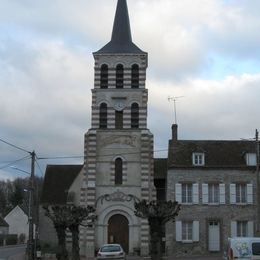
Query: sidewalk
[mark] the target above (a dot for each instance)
(20, 256)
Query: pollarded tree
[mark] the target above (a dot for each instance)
(76, 217)
(71, 217)
(58, 216)
(157, 213)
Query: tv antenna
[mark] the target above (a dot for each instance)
(174, 99)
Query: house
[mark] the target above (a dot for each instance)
(58, 180)
(4, 227)
(17, 220)
(216, 183)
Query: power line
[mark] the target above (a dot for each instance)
(13, 162)
(15, 146)
(39, 167)
(60, 157)
(82, 156)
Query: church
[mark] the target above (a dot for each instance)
(118, 161)
(216, 181)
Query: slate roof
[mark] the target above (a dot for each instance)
(3, 223)
(217, 153)
(121, 40)
(160, 168)
(57, 180)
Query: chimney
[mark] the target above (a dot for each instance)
(174, 132)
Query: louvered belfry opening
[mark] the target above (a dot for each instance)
(104, 76)
(119, 76)
(134, 115)
(135, 76)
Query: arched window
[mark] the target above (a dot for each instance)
(119, 76)
(118, 171)
(134, 115)
(135, 76)
(103, 115)
(104, 76)
(119, 119)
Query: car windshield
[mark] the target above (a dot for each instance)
(110, 249)
(256, 248)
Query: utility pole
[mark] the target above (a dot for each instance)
(31, 210)
(257, 180)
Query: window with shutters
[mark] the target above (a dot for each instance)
(198, 159)
(187, 230)
(104, 76)
(134, 115)
(119, 76)
(213, 193)
(241, 193)
(103, 115)
(186, 193)
(118, 171)
(135, 76)
(242, 229)
(119, 119)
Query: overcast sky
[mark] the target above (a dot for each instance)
(204, 50)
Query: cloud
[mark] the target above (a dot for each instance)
(206, 51)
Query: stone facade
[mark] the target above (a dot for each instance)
(118, 142)
(225, 213)
(217, 195)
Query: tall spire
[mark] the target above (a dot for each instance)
(121, 30)
(121, 40)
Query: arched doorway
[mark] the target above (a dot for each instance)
(118, 231)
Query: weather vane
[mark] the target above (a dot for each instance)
(174, 99)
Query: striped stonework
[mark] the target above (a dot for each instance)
(88, 191)
(135, 144)
(142, 63)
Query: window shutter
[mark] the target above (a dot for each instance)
(232, 193)
(233, 228)
(250, 228)
(195, 193)
(249, 190)
(195, 231)
(178, 231)
(222, 194)
(205, 193)
(178, 192)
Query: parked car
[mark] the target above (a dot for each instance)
(243, 248)
(111, 251)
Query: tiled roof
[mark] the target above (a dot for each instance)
(57, 181)
(217, 153)
(160, 168)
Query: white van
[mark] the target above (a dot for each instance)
(243, 248)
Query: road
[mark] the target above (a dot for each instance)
(12, 252)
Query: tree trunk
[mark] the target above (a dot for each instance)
(62, 253)
(75, 242)
(156, 238)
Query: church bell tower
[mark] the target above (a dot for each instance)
(118, 166)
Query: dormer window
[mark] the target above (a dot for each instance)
(198, 159)
(250, 159)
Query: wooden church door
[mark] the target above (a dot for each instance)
(118, 231)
